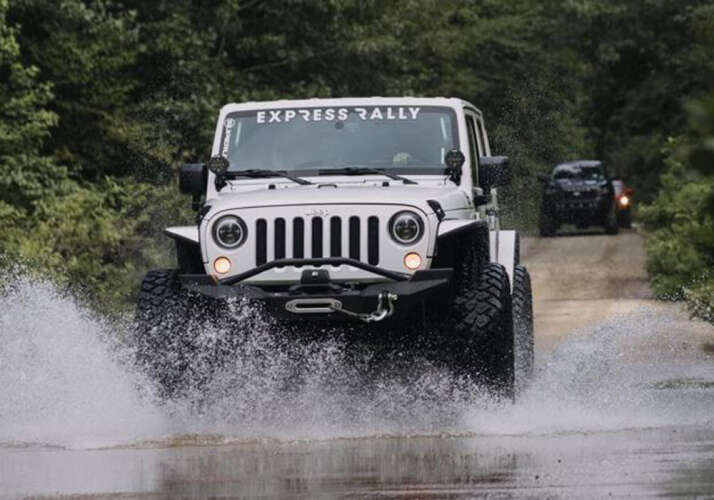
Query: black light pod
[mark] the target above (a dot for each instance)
(454, 160)
(219, 166)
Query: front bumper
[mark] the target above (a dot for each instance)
(574, 209)
(326, 299)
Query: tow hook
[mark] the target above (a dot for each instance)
(385, 308)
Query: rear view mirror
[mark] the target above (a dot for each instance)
(494, 171)
(193, 180)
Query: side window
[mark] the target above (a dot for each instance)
(483, 140)
(473, 148)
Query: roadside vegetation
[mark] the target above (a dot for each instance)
(680, 220)
(102, 100)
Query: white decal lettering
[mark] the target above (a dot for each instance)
(226, 142)
(330, 114)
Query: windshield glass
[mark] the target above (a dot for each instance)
(406, 139)
(589, 173)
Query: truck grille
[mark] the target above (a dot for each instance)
(287, 238)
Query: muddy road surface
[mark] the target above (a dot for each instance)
(622, 405)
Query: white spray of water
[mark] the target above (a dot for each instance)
(60, 385)
(64, 385)
(628, 372)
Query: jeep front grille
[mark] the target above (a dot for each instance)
(325, 238)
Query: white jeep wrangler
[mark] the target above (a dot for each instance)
(363, 210)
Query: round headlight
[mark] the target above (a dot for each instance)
(406, 228)
(229, 231)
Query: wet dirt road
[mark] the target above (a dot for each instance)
(622, 405)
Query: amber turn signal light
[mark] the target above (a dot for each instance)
(412, 261)
(222, 265)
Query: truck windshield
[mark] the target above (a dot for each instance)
(305, 141)
(585, 173)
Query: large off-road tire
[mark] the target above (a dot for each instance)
(547, 223)
(522, 327)
(482, 339)
(168, 327)
(610, 222)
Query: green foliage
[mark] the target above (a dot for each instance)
(100, 238)
(680, 221)
(24, 125)
(645, 59)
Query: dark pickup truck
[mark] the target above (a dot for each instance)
(579, 193)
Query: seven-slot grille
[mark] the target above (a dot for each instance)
(317, 237)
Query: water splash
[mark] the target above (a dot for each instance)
(61, 384)
(65, 383)
(635, 371)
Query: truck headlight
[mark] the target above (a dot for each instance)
(229, 231)
(406, 228)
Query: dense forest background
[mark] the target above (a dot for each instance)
(102, 100)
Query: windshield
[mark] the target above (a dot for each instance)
(591, 173)
(406, 139)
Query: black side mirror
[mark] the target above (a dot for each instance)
(193, 180)
(494, 171)
(481, 199)
(543, 179)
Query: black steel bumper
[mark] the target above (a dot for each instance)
(573, 210)
(323, 298)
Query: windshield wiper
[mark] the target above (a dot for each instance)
(359, 170)
(263, 173)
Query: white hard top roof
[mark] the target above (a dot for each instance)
(349, 101)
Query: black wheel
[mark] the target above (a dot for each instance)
(481, 339)
(547, 223)
(467, 254)
(624, 219)
(170, 347)
(610, 223)
(522, 327)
